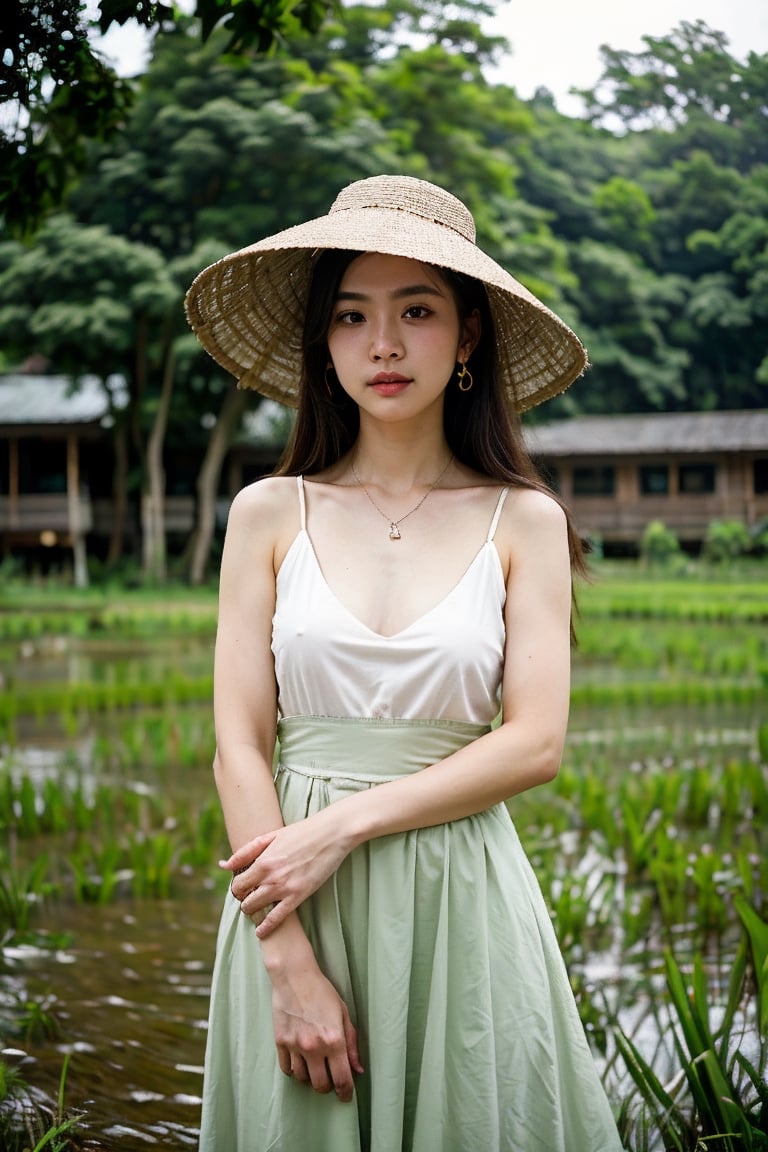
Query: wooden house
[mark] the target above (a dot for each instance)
(618, 473)
(54, 452)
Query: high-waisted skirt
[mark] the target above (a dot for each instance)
(440, 944)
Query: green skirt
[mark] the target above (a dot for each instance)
(441, 945)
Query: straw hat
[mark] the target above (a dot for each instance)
(248, 308)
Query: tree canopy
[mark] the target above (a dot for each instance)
(643, 223)
(57, 92)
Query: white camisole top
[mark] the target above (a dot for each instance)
(446, 665)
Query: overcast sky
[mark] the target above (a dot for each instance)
(556, 43)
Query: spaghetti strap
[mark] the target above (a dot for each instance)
(302, 502)
(495, 522)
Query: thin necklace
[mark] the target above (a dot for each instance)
(394, 525)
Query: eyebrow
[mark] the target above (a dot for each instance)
(398, 294)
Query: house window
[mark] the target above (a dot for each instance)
(42, 467)
(594, 481)
(697, 479)
(654, 480)
(760, 477)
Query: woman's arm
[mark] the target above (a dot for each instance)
(523, 752)
(315, 1039)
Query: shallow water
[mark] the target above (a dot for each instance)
(129, 982)
(130, 990)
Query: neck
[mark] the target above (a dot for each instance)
(399, 460)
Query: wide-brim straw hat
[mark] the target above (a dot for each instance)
(248, 308)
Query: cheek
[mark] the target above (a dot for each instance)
(340, 341)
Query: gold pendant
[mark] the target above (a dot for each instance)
(394, 531)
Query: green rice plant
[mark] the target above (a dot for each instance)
(641, 842)
(11, 1082)
(681, 600)
(27, 808)
(37, 1021)
(43, 701)
(95, 871)
(26, 1123)
(580, 906)
(638, 915)
(20, 890)
(204, 836)
(718, 1098)
(152, 861)
(762, 742)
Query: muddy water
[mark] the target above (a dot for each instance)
(129, 982)
(129, 989)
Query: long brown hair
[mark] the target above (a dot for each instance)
(481, 429)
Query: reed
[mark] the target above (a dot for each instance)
(717, 1097)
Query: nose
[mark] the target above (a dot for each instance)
(385, 341)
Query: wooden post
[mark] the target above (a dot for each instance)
(13, 482)
(73, 513)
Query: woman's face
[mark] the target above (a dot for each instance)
(395, 336)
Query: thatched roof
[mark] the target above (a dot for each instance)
(33, 400)
(654, 434)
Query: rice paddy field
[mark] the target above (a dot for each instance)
(651, 847)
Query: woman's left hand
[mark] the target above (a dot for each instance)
(277, 871)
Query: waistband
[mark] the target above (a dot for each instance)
(368, 750)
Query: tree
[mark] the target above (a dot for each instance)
(688, 81)
(56, 92)
(625, 313)
(94, 302)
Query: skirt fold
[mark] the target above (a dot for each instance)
(441, 945)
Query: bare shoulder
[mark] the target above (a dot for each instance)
(529, 511)
(263, 520)
(266, 504)
(532, 534)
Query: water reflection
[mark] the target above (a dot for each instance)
(129, 982)
(130, 990)
(70, 660)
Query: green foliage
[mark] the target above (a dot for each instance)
(628, 212)
(20, 887)
(726, 1103)
(726, 540)
(659, 544)
(652, 243)
(45, 146)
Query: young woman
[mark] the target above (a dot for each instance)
(387, 978)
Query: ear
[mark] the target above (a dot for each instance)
(470, 335)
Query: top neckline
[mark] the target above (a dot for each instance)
(303, 534)
(487, 544)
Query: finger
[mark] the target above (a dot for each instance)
(257, 917)
(299, 1069)
(256, 899)
(240, 888)
(341, 1075)
(319, 1075)
(280, 912)
(247, 853)
(350, 1036)
(284, 1059)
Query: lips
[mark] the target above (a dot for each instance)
(389, 378)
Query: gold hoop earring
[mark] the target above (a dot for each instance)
(461, 379)
(328, 386)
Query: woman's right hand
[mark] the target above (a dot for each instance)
(316, 1039)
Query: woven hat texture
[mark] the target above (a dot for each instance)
(247, 309)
